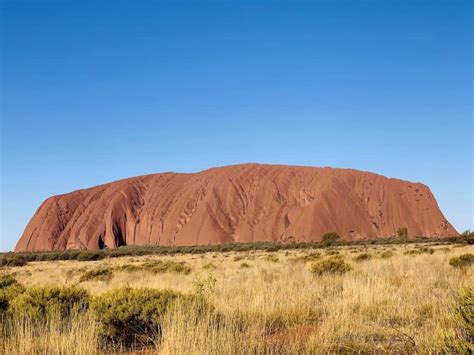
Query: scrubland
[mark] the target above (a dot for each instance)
(349, 299)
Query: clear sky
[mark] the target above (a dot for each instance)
(97, 91)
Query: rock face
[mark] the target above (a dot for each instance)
(241, 203)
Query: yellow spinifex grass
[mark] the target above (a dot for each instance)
(76, 335)
(398, 304)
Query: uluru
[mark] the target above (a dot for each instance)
(239, 203)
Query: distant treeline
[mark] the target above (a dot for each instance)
(21, 258)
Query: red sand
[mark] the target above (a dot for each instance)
(241, 203)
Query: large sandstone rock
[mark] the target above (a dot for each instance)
(241, 203)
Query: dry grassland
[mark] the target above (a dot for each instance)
(391, 301)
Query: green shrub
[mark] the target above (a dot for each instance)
(467, 237)
(463, 341)
(330, 238)
(466, 233)
(419, 250)
(159, 266)
(426, 250)
(309, 257)
(42, 302)
(209, 266)
(332, 252)
(462, 261)
(386, 254)
(129, 267)
(363, 257)
(464, 311)
(12, 259)
(96, 274)
(127, 316)
(89, 256)
(402, 232)
(333, 265)
(272, 258)
(337, 256)
(7, 280)
(9, 290)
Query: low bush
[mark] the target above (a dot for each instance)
(7, 280)
(363, 257)
(244, 266)
(127, 316)
(209, 266)
(9, 290)
(97, 275)
(89, 256)
(463, 340)
(464, 312)
(419, 250)
(272, 258)
(386, 254)
(462, 261)
(39, 303)
(128, 267)
(12, 259)
(309, 257)
(333, 265)
(159, 266)
(467, 237)
(426, 250)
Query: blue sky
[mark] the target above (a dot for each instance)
(97, 91)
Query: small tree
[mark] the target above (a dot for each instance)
(330, 238)
(467, 237)
(466, 233)
(402, 232)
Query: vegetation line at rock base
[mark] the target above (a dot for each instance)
(21, 258)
